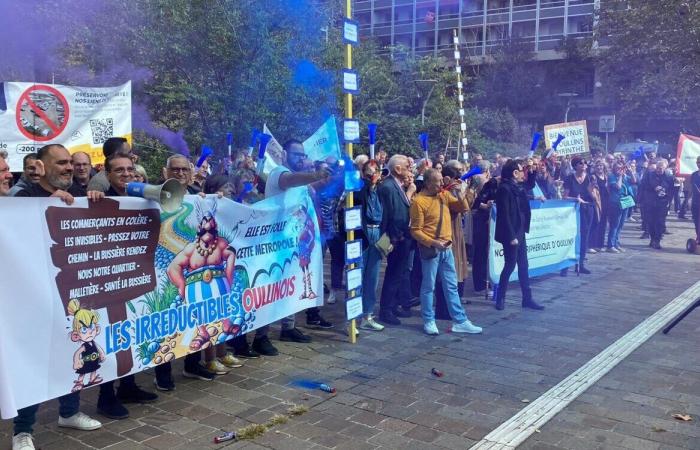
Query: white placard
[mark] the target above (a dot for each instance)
(353, 219)
(353, 307)
(575, 137)
(351, 130)
(353, 250)
(350, 81)
(354, 279)
(350, 31)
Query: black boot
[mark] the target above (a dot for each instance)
(500, 299)
(528, 302)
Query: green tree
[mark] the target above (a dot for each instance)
(648, 58)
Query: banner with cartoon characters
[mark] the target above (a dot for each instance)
(80, 118)
(93, 292)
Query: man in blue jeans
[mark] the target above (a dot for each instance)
(431, 227)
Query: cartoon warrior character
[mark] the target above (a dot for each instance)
(305, 246)
(204, 269)
(88, 357)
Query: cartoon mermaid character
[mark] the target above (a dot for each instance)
(88, 357)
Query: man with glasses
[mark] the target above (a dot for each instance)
(281, 178)
(119, 169)
(180, 168)
(395, 223)
(111, 147)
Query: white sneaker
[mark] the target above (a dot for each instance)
(215, 366)
(79, 421)
(613, 250)
(430, 328)
(370, 324)
(620, 249)
(334, 296)
(592, 251)
(22, 441)
(466, 327)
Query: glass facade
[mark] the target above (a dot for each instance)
(425, 26)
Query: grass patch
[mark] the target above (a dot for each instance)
(277, 419)
(297, 410)
(251, 431)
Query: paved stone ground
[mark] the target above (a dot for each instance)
(387, 397)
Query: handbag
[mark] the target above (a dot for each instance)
(384, 245)
(431, 252)
(626, 201)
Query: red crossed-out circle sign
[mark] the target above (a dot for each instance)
(42, 113)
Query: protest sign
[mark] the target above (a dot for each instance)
(129, 287)
(552, 243)
(79, 118)
(319, 146)
(575, 137)
(687, 154)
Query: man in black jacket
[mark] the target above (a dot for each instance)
(395, 219)
(657, 189)
(512, 222)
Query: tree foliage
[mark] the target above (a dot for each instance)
(648, 57)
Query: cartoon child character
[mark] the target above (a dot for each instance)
(306, 230)
(88, 357)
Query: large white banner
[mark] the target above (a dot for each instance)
(552, 243)
(95, 292)
(687, 154)
(80, 118)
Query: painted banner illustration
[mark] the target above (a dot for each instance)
(80, 118)
(552, 243)
(96, 291)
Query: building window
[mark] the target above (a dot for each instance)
(580, 25)
(449, 9)
(403, 15)
(382, 17)
(523, 29)
(425, 41)
(472, 7)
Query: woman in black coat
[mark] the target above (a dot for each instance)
(486, 188)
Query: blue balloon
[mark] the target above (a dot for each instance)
(229, 138)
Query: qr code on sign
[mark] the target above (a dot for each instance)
(102, 129)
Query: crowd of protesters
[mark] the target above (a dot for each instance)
(421, 218)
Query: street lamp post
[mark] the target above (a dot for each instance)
(427, 97)
(568, 96)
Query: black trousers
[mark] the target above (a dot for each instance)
(515, 254)
(656, 218)
(396, 277)
(587, 219)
